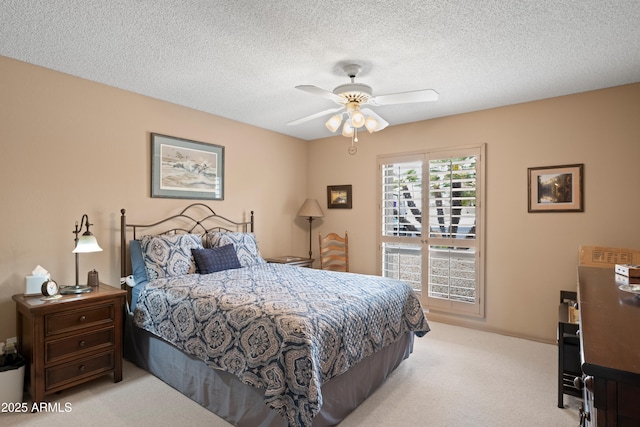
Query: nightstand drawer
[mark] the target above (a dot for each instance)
(78, 344)
(69, 372)
(76, 319)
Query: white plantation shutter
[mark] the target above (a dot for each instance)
(441, 259)
(402, 199)
(452, 197)
(401, 219)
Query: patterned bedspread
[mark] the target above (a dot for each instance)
(283, 329)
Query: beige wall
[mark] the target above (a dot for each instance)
(529, 257)
(69, 146)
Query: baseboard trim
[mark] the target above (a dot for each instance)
(471, 324)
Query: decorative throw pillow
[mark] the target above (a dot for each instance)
(210, 260)
(137, 263)
(169, 255)
(244, 243)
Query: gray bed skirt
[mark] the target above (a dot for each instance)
(243, 405)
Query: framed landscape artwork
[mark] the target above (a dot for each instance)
(556, 188)
(339, 196)
(185, 169)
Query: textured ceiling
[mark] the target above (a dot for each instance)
(241, 59)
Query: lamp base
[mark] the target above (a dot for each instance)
(77, 289)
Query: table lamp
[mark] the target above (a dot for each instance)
(84, 244)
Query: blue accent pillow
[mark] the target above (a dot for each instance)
(139, 271)
(215, 259)
(137, 263)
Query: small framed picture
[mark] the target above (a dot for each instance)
(556, 188)
(339, 196)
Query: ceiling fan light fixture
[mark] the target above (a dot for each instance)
(347, 130)
(357, 118)
(353, 96)
(371, 124)
(334, 122)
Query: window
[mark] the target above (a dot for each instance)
(437, 250)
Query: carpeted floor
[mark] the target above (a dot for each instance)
(455, 377)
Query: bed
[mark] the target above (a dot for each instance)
(259, 344)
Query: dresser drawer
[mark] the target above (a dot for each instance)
(78, 344)
(60, 375)
(82, 318)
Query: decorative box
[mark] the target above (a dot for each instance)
(628, 270)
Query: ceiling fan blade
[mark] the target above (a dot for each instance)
(382, 123)
(315, 90)
(423, 95)
(315, 116)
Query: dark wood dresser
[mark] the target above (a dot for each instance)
(610, 346)
(70, 340)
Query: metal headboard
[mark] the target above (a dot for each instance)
(184, 222)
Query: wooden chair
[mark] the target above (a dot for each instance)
(334, 252)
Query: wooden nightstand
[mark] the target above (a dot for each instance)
(292, 260)
(70, 340)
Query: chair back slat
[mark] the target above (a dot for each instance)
(334, 252)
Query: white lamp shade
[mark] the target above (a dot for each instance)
(347, 130)
(334, 122)
(371, 124)
(311, 209)
(357, 119)
(87, 243)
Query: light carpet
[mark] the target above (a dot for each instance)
(455, 377)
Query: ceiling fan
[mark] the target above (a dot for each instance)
(351, 97)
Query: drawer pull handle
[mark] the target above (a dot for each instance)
(578, 383)
(588, 383)
(81, 368)
(82, 343)
(83, 318)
